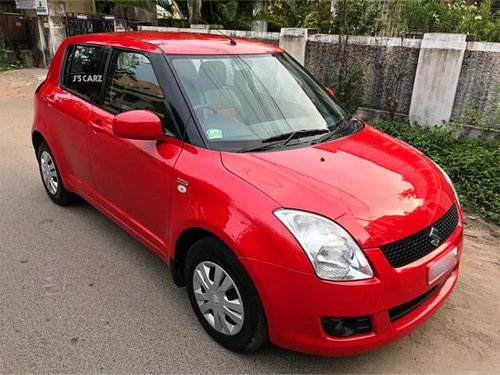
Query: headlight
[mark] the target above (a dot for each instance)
(447, 178)
(331, 250)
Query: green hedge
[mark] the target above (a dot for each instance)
(472, 163)
(3, 56)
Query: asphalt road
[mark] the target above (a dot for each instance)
(79, 295)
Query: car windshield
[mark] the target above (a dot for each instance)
(244, 101)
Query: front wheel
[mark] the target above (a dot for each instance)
(51, 177)
(224, 297)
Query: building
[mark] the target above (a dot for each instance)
(37, 27)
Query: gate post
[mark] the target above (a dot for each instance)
(436, 79)
(294, 41)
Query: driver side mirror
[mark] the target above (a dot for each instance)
(330, 91)
(138, 124)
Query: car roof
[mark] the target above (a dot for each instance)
(177, 43)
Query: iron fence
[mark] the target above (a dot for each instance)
(78, 24)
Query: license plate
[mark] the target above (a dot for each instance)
(442, 266)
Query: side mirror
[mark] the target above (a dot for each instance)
(330, 91)
(138, 124)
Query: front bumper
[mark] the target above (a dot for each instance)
(296, 302)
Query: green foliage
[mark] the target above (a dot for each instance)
(473, 117)
(357, 17)
(233, 14)
(493, 109)
(454, 17)
(489, 117)
(139, 4)
(4, 65)
(3, 56)
(353, 17)
(348, 86)
(4, 61)
(472, 163)
(298, 13)
(230, 14)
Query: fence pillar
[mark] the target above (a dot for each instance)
(436, 79)
(294, 41)
(258, 8)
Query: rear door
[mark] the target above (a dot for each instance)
(133, 177)
(70, 105)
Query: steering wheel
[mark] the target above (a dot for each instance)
(205, 106)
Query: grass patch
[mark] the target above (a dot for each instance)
(472, 163)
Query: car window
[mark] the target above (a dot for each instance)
(84, 68)
(132, 84)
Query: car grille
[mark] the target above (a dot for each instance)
(409, 249)
(401, 310)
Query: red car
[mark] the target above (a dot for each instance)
(286, 218)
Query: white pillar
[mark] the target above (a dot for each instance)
(260, 7)
(436, 79)
(294, 41)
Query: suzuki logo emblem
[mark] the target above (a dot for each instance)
(435, 237)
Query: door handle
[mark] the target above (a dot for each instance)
(96, 126)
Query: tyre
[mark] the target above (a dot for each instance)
(51, 177)
(224, 297)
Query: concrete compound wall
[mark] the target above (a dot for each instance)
(380, 59)
(479, 83)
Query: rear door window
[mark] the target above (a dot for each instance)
(132, 84)
(84, 71)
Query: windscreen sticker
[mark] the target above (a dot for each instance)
(214, 133)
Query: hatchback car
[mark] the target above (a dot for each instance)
(286, 218)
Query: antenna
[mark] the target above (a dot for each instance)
(231, 40)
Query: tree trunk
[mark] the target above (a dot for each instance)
(194, 7)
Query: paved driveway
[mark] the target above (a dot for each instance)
(78, 294)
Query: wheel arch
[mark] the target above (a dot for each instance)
(184, 242)
(37, 139)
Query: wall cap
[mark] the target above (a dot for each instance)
(483, 46)
(445, 37)
(368, 40)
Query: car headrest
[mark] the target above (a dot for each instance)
(186, 70)
(212, 75)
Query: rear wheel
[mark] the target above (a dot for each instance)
(51, 178)
(224, 297)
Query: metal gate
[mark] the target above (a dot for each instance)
(78, 24)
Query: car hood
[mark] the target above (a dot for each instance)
(377, 187)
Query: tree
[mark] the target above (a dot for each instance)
(182, 7)
(298, 13)
(194, 7)
(231, 14)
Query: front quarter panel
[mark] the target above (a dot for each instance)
(233, 210)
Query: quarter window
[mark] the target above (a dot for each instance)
(84, 68)
(132, 84)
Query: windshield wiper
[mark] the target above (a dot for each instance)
(338, 130)
(287, 137)
(284, 139)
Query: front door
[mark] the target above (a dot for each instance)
(133, 177)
